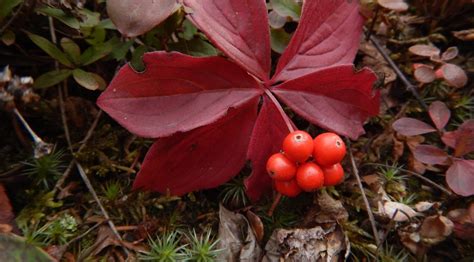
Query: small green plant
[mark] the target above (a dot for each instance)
(165, 248)
(58, 231)
(112, 190)
(201, 248)
(233, 193)
(391, 173)
(46, 169)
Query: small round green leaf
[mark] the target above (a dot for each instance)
(85, 79)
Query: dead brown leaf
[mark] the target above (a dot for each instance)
(435, 229)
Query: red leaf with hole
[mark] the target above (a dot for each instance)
(328, 35)
(267, 136)
(203, 158)
(176, 93)
(432, 155)
(239, 28)
(460, 177)
(132, 17)
(439, 114)
(336, 98)
(411, 127)
(204, 109)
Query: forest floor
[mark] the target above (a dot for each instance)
(67, 189)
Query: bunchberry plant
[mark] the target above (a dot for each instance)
(212, 114)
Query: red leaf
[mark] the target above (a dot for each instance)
(132, 17)
(176, 93)
(460, 177)
(462, 140)
(328, 34)
(429, 154)
(7, 217)
(424, 74)
(439, 114)
(411, 127)
(202, 158)
(335, 98)
(454, 75)
(424, 50)
(239, 28)
(267, 136)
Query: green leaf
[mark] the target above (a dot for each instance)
(279, 39)
(137, 62)
(91, 18)
(50, 49)
(15, 248)
(121, 50)
(100, 81)
(8, 37)
(99, 51)
(52, 78)
(107, 24)
(85, 79)
(287, 8)
(189, 30)
(60, 15)
(194, 47)
(6, 6)
(72, 50)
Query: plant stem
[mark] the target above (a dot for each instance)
(276, 200)
(280, 110)
(289, 124)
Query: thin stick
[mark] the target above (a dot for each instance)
(97, 200)
(12, 18)
(290, 127)
(366, 201)
(84, 141)
(417, 175)
(399, 73)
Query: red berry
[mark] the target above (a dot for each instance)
(287, 188)
(298, 146)
(309, 177)
(279, 167)
(329, 149)
(333, 175)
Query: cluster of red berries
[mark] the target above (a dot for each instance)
(306, 164)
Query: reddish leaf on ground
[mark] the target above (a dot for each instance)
(6, 211)
(176, 93)
(199, 159)
(424, 50)
(132, 17)
(424, 74)
(267, 136)
(460, 177)
(328, 34)
(239, 28)
(336, 98)
(411, 127)
(450, 53)
(432, 155)
(396, 5)
(462, 140)
(454, 75)
(439, 114)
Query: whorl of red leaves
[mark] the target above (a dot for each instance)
(205, 110)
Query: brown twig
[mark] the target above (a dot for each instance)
(399, 73)
(366, 201)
